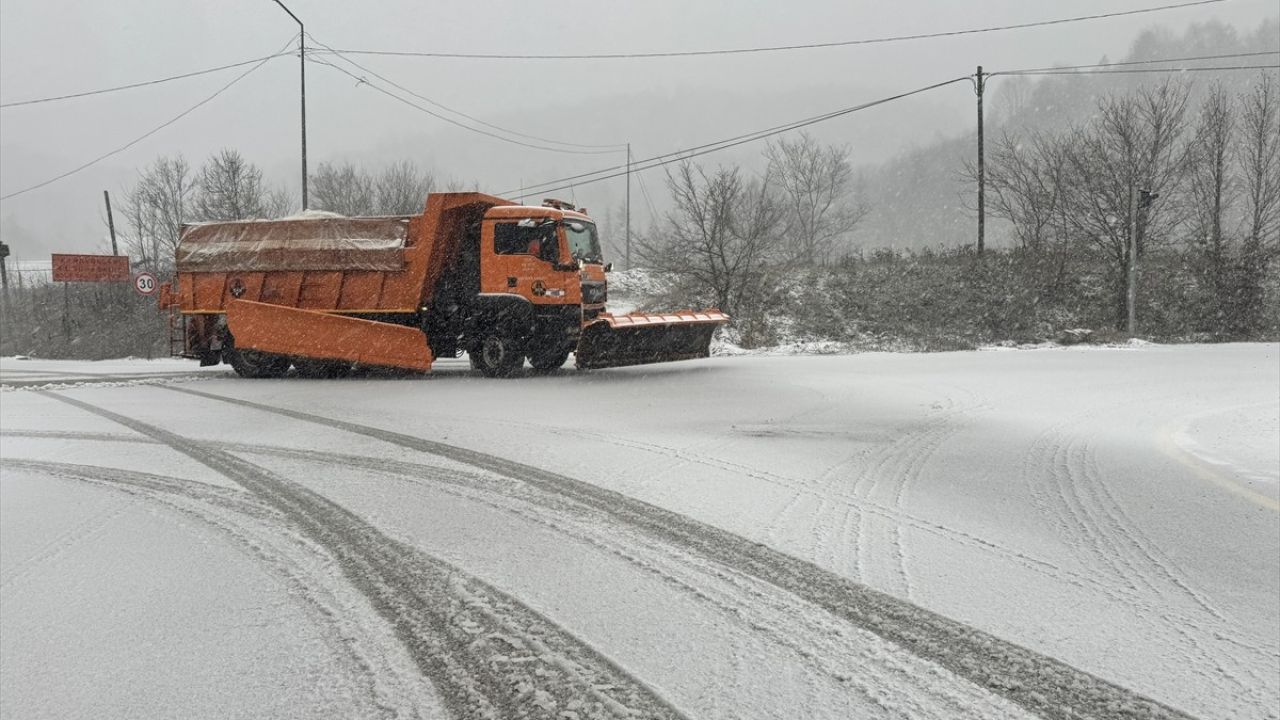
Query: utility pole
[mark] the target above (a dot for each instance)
(302, 67)
(111, 223)
(1131, 297)
(1140, 210)
(628, 210)
(4, 271)
(979, 86)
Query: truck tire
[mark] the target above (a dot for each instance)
(497, 355)
(312, 368)
(253, 363)
(548, 361)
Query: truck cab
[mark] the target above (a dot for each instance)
(538, 272)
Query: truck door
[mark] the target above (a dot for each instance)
(518, 258)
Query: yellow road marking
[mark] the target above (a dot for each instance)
(1169, 446)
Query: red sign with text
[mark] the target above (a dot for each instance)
(91, 268)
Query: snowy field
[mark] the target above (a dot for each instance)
(1057, 533)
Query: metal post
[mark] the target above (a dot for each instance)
(1132, 294)
(628, 211)
(302, 66)
(302, 69)
(66, 314)
(111, 223)
(4, 271)
(982, 178)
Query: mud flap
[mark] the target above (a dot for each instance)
(324, 336)
(641, 339)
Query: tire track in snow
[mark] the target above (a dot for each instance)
(883, 481)
(62, 382)
(756, 607)
(1040, 684)
(486, 654)
(973, 542)
(1095, 527)
(413, 470)
(285, 556)
(59, 545)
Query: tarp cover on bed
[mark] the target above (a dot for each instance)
(331, 243)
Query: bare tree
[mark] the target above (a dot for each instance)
(279, 202)
(817, 183)
(343, 189)
(1211, 188)
(402, 188)
(155, 209)
(1134, 144)
(1258, 155)
(722, 237)
(231, 188)
(1025, 183)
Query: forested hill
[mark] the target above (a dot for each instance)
(924, 198)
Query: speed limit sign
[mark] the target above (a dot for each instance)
(144, 283)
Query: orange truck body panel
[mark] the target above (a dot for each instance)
(325, 336)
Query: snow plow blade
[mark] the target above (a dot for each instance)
(325, 336)
(641, 339)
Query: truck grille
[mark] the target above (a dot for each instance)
(593, 293)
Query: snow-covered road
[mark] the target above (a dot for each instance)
(1056, 533)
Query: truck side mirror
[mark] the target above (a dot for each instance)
(608, 267)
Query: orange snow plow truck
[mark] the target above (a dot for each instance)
(473, 273)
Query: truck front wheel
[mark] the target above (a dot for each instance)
(497, 356)
(253, 363)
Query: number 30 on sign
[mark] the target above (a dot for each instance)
(144, 283)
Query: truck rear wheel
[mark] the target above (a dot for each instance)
(253, 363)
(497, 356)
(546, 361)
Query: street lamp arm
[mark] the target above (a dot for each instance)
(302, 65)
(295, 17)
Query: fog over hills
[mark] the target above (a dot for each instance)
(910, 151)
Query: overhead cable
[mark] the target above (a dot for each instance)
(706, 148)
(1157, 61)
(366, 81)
(144, 83)
(149, 133)
(781, 48)
(1129, 71)
(611, 147)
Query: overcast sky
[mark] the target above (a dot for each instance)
(51, 47)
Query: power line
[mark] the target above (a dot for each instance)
(144, 83)
(782, 48)
(451, 121)
(1130, 71)
(614, 146)
(1196, 58)
(698, 150)
(149, 133)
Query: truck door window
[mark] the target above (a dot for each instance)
(512, 239)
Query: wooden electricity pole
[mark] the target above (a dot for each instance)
(627, 252)
(111, 223)
(979, 86)
(1131, 296)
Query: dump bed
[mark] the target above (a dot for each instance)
(357, 265)
(336, 243)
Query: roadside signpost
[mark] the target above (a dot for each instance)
(145, 283)
(69, 268)
(90, 268)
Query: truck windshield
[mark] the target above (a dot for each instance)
(583, 243)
